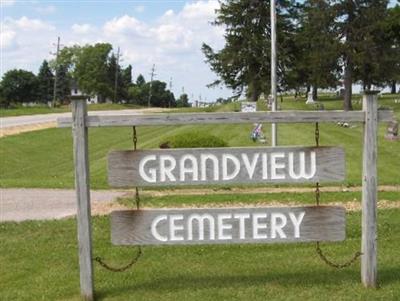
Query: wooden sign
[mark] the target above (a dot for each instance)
(225, 166)
(227, 225)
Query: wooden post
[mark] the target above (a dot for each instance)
(81, 159)
(369, 191)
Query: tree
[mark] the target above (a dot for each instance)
(317, 46)
(140, 81)
(19, 86)
(127, 76)
(63, 83)
(392, 35)
(91, 70)
(45, 80)
(363, 46)
(183, 101)
(244, 62)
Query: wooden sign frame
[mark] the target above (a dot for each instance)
(369, 116)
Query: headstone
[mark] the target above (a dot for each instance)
(248, 107)
(310, 99)
(392, 132)
(270, 101)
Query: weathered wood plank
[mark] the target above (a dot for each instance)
(228, 117)
(225, 166)
(369, 193)
(80, 140)
(227, 225)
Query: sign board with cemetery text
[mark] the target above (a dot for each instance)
(225, 166)
(227, 225)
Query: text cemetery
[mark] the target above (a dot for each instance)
(228, 225)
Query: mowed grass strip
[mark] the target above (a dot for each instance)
(39, 261)
(247, 199)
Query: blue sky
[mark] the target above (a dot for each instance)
(167, 33)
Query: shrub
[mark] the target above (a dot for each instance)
(193, 140)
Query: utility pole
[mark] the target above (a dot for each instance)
(116, 77)
(170, 89)
(152, 74)
(274, 129)
(55, 74)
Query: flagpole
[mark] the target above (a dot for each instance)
(274, 128)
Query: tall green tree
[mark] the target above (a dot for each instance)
(45, 80)
(183, 101)
(64, 81)
(19, 86)
(244, 62)
(392, 35)
(140, 81)
(317, 46)
(92, 70)
(363, 46)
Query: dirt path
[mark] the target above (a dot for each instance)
(39, 204)
(14, 125)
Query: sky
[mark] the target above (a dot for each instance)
(166, 33)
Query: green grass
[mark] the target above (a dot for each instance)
(44, 158)
(42, 109)
(307, 198)
(38, 261)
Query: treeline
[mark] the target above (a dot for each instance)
(95, 71)
(321, 44)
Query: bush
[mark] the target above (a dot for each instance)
(193, 140)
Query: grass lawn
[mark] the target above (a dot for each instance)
(18, 111)
(44, 158)
(39, 261)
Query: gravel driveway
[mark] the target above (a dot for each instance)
(18, 204)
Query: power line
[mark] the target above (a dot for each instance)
(152, 74)
(170, 89)
(55, 72)
(116, 75)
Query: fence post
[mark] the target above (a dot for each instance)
(369, 191)
(82, 186)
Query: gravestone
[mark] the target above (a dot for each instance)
(310, 99)
(392, 132)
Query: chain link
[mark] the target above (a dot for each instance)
(317, 193)
(139, 252)
(123, 268)
(317, 201)
(134, 138)
(336, 265)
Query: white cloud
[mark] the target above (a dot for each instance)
(82, 28)
(7, 39)
(26, 24)
(125, 25)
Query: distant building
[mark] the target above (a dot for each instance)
(76, 92)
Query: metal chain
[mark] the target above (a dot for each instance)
(337, 265)
(123, 268)
(139, 252)
(317, 201)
